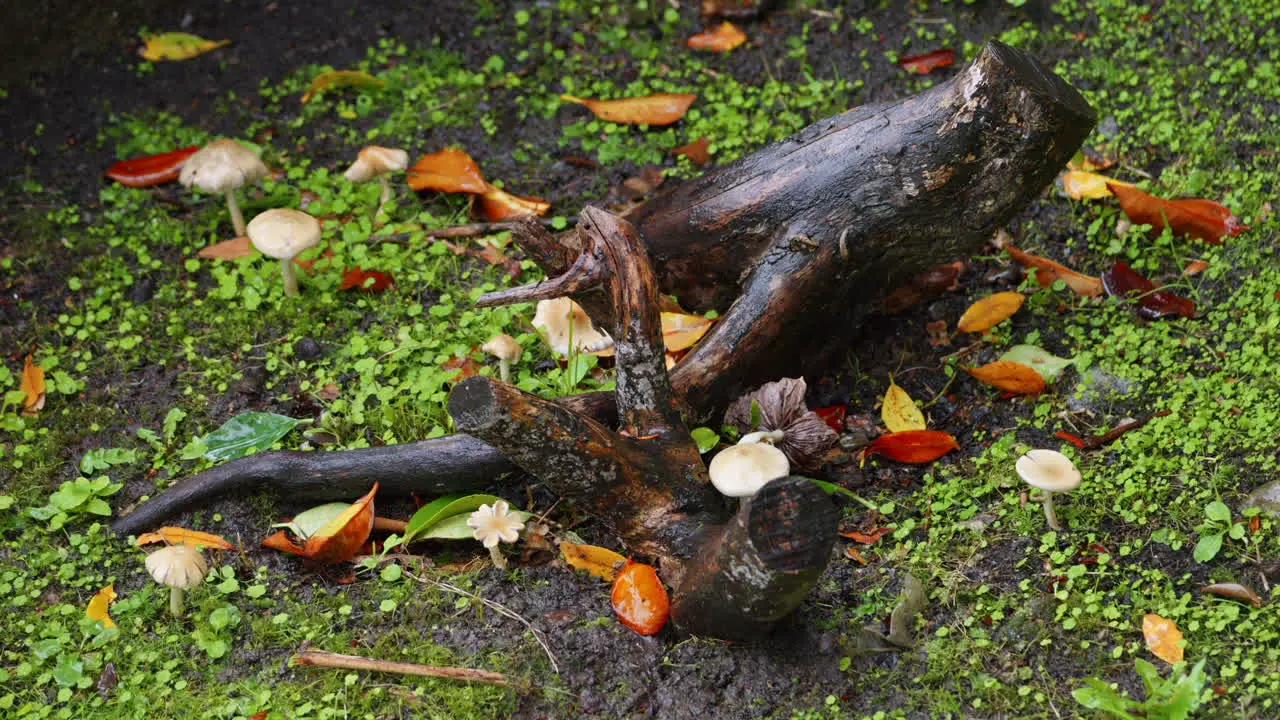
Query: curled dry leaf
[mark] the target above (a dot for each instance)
(1048, 272)
(899, 411)
(1152, 304)
(913, 446)
(1010, 376)
(151, 170)
(928, 62)
(698, 151)
(1089, 160)
(33, 386)
(1080, 185)
(1234, 591)
(639, 599)
(681, 331)
(450, 170)
(868, 538)
(1162, 637)
(341, 79)
(182, 536)
(233, 249)
(497, 205)
(370, 281)
(99, 605)
(339, 540)
(1049, 366)
(805, 436)
(597, 561)
(722, 38)
(990, 311)
(656, 109)
(177, 46)
(1204, 219)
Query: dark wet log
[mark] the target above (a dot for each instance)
(758, 568)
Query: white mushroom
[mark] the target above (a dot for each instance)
(741, 470)
(507, 350)
(223, 166)
(179, 567)
(283, 234)
(495, 523)
(1050, 472)
(378, 162)
(567, 328)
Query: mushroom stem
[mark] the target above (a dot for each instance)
(175, 601)
(386, 193)
(290, 277)
(499, 561)
(237, 219)
(1049, 514)
(504, 369)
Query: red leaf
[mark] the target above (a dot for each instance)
(639, 599)
(926, 63)
(913, 446)
(370, 281)
(1205, 219)
(833, 416)
(150, 170)
(1123, 281)
(1064, 435)
(697, 151)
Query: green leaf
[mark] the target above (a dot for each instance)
(98, 506)
(1186, 695)
(1048, 365)
(6, 502)
(757, 415)
(1218, 512)
(68, 671)
(306, 523)
(437, 510)
(456, 527)
(1098, 695)
(705, 438)
(833, 489)
(1207, 547)
(246, 432)
(46, 648)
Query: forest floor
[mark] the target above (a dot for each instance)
(146, 348)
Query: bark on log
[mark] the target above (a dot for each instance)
(802, 238)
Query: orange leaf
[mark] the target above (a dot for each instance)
(639, 598)
(465, 366)
(150, 170)
(913, 446)
(656, 109)
(100, 604)
(1080, 185)
(926, 63)
(597, 561)
(1048, 271)
(990, 311)
(182, 536)
(853, 554)
(870, 538)
(232, 249)
(370, 281)
(1162, 637)
(680, 331)
(280, 541)
(497, 205)
(1195, 267)
(697, 151)
(1204, 219)
(341, 538)
(722, 38)
(33, 386)
(1010, 376)
(449, 171)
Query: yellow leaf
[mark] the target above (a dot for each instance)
(341, 78)
(1081, 185)
(182, 536)
(681, 331)
(1162, 637)
(178, 46)
(990, 311)
(97, 609)
(33, 386)
(657, 109)
(597, 561)
(899, 411)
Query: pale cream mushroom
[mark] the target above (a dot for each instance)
(283, 234)
(507, 350)
(567, 328)
(495, 523)
(741, 470)
(1050, 472)
(223, 166)
(378, 162)
(179, 567)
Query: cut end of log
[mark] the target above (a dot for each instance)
(474, 403)
(787, 525)
(1039, 79)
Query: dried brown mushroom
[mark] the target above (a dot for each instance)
(805, 436)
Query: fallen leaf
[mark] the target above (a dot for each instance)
(182, 536)
(497, 205)
(833, 416)
(280, 541)
(990, 311)
(597, 561)
(233, 249)
(657, 109)
(100, 604)
(681, 331)
(449, 171)
(465, 366)
(1049, 366)
(1204, 219)
(342, 537)
(1195, 267)
(1048, 272)
(150, 170)
(928, 284)
(926, 63)
(853, 554)
(913, 446)
(370, 281)
(722, 38)
(340, 79)
(639, 598)
(1162, 637)
(870, 538)
(1234, 591)
(1089, 160)
(1080, 185)
(443, 508)
(1009, 376)
(698, 152)
(309, 521)
(177, 46)
(937, 333)
(899, 411)
(33, 386)
(1123, 281)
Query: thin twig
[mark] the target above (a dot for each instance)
(470, 230)
(321, 658)
(390, 525)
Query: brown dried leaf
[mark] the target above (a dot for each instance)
(233, 249)
(806, 436)
(1233, 591)
(697, 151)
(1048, 271)
(657, 109)
(722, 38)
(182, 536)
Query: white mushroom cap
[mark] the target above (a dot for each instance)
(283, 234)
(562, 319)
(177, 566)
(375, 161)
(220, 166)
(503, 347)
(741, 470)
(1048, 470)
